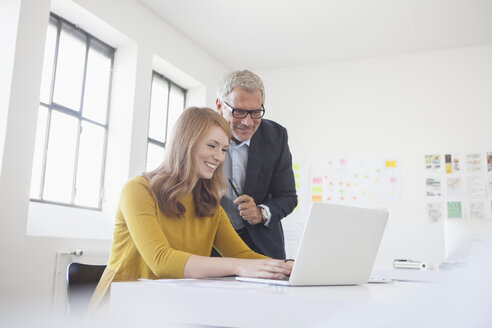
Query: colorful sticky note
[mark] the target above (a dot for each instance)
(390, 164)
(316, 198)
(317, 189)
(317, 180)
(297, 175)
(296, 167)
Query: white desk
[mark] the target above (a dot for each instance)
(240, 304)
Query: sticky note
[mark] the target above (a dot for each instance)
(316, 198)
(390, 164)
(317, 180)
(296, 167)
(317, 190)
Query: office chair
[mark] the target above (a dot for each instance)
(82, 280)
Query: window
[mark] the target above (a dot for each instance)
(70, 150)
(167, 102)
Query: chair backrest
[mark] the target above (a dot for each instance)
(82, 279)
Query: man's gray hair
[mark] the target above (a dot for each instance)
(244, 79)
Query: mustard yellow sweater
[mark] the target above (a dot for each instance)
(148, 244)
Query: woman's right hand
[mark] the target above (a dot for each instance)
(268, 268)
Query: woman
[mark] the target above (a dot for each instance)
(168, 219)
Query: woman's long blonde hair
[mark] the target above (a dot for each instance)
(175, 177)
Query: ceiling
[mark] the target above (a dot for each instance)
(268, 34)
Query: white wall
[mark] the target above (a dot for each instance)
(9, 13)
(28, 260)
(403, 106)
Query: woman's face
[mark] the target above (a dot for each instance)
(210, 152)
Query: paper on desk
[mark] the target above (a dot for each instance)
(206, 283)
(168, 281)
(409, 275)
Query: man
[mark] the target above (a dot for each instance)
(258, 165)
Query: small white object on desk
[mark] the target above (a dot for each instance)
(409, 264)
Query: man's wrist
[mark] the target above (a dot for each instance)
(264, 215)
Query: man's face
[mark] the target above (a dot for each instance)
(242, 128)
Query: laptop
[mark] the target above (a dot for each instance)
(338, 247)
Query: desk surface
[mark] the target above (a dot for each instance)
(240, 304)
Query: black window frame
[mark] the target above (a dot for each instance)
(93, 41)
(170, 85)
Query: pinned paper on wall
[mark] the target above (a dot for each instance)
(454, 187)
(452, 163)
(433, 187)
(476, 210)
(475, 187)
(434, 211)
(433, 163)
(361, 180)
(455, 210)
(473, 162)
(466, 183)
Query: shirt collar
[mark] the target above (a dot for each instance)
(233, 144)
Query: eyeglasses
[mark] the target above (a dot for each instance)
(242, 113)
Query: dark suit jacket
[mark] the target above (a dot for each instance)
(270, 181)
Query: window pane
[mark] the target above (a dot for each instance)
(61, 158)
(37, 163)
(90, 165)
(176, 105)
(158, 109)
(97, 86)
(70, 68)
(155, 155)
(49, 55)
